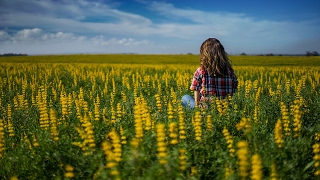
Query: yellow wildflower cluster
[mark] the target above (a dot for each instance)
(248, 86)
(173, 133)
(245, 124)
(119, 112)
(278, 135)
(209, 122)
(113, 115)
(88, 128)
(116, 144)
(69, 171)
(182, 159)
(111, 157)
(14, 178)
(228, 172)
(87, 135)
(42, 104)
(161, 143)
(138, 124)
(146, 117)
(97, 109)
(9, 121)
(25, 138)
(194, 170)
(182, 124)
(64, 104)
(316, 157)
(317, 136)
(170, 112)
(243, 163)
(288, 86)
(197, 126)
(219, 106)
(256, 167)
(285, 118)
(35, 141)
(296, 118)
(273, 175)
(257, 97)
(158, 102)
(123, 137)
(2, 138)
(229, 140)
(53, 125)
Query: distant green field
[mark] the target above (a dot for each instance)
(165, 59)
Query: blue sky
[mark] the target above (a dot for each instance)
(158, 27)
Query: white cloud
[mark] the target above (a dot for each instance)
(102, 41)
(4, 36)
(27, 35)
(38, 35)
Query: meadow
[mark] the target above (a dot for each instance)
(120, 117)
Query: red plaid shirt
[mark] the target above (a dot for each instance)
(214, 86)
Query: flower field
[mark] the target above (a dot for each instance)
(69, 117)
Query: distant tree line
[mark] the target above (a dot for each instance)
(313, 53)
(308, 53)
(13, 54)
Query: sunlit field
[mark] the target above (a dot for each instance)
(120, 117)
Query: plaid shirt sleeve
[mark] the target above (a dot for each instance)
(196, 80)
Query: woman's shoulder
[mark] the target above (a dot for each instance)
(201, 70)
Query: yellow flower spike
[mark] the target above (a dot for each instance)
(285, 119)
(194, 170)
(229, 141)
(182, 159)
(170, 112)
(123, 137)
(14, 178)
(2, 138)
(316, 158)
(69, 171)
(243, 163)
(209, 122)
(273, 175)
(64, 104)
(278, 134)
(197, 126)
(173, 133)
(161, 144)
(97, 109)
(138, 123)
(228, 172)
(256, 167)
(53, 123)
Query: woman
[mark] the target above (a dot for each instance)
(214, 77)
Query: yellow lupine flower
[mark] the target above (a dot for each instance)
(229, 140)
(278, 136)
(161, 144)
(69, 171)
(316, 157)
(182, 159)
(173, 133)
(243, 163)
(197, 126)
(256, 167)
(2, 138)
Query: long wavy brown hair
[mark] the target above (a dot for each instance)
(213, 58)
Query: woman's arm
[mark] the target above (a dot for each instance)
(196, 97)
